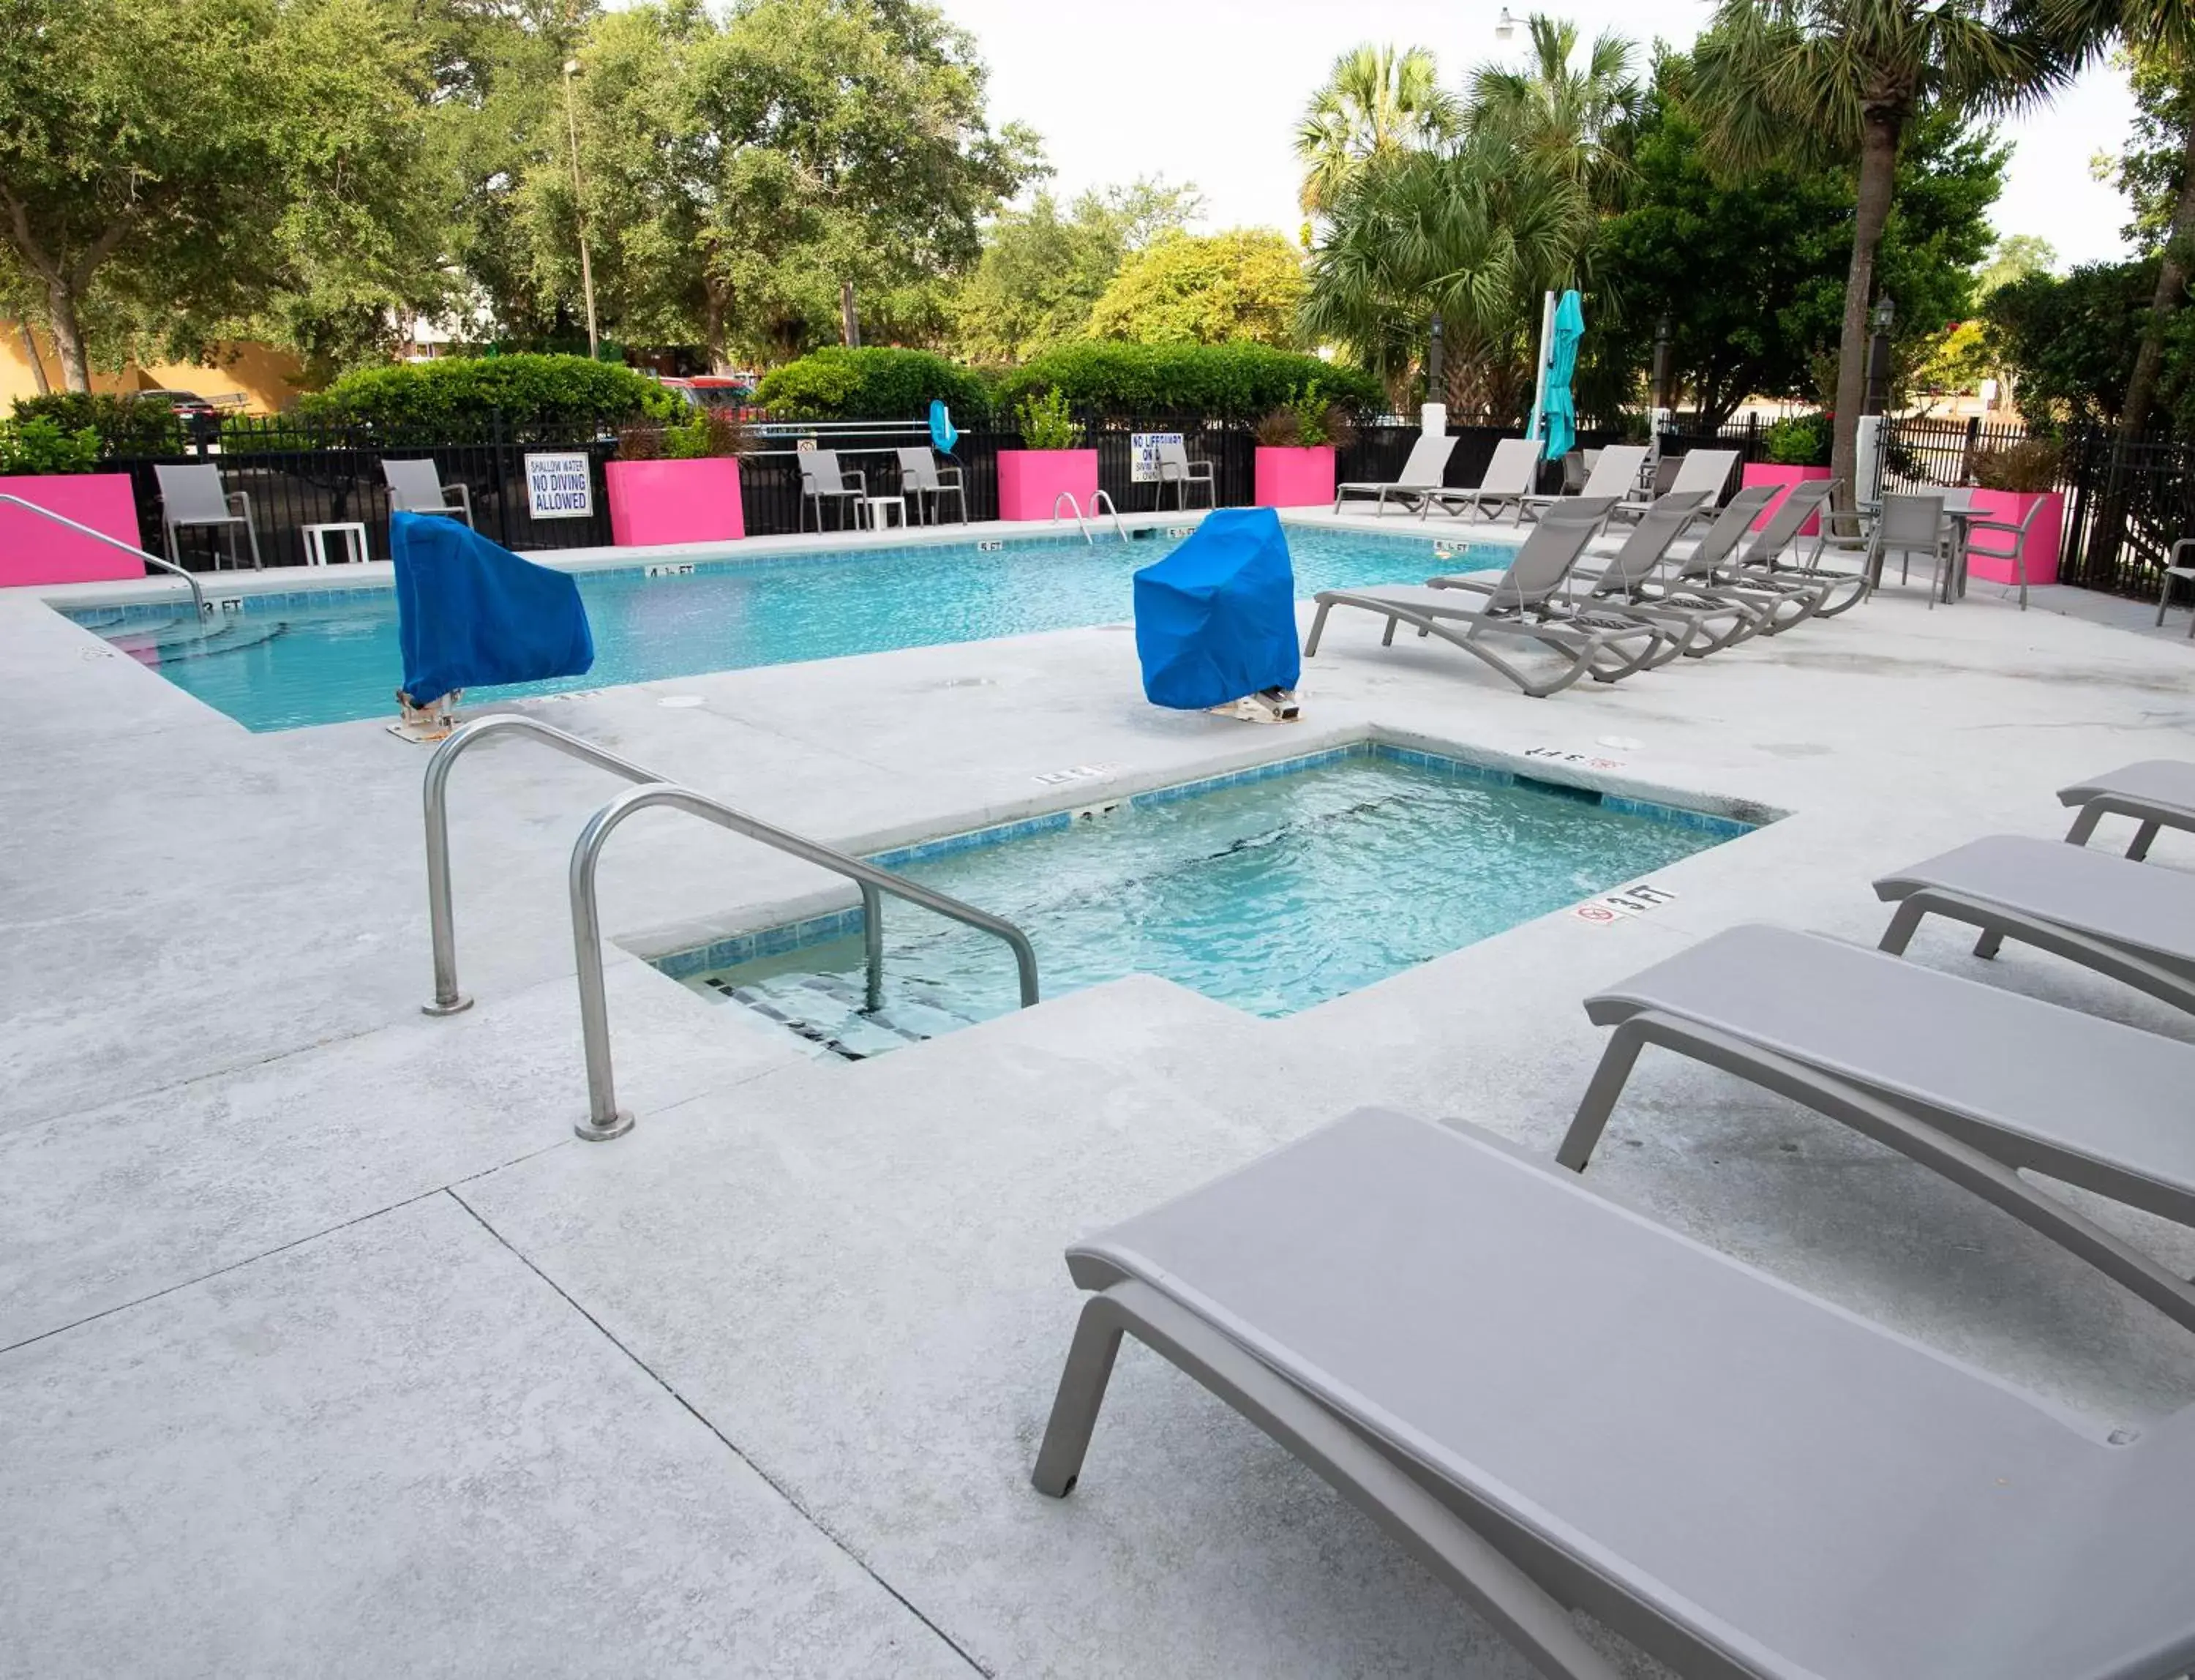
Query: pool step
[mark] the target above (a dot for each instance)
(825, 1009)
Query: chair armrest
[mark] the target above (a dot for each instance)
(241, 498)
(2178, 548)
(952, 472)
(859, 478)
(1992, 525)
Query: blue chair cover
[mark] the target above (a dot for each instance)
(1216, 619)
(943, 431)
(472, 615)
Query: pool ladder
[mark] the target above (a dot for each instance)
(1081, 524)
(197, 593)
(605, 1119)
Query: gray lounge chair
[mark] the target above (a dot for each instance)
(1421, 476)
(1175, 468)
(191, 496)
(1629, 582)
(1981, 1081)
(1763, 550)
(1708, 470)
(1790, 597)
(921, 477)
(2157, 793)
(1614, 474)
(823, 480)
(1525, 605)
(1508, 481)
(1553, 1404)
(417, 486)
(2129, 920)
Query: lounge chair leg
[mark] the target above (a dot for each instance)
(2084, 827)
(1902, 925)
(1989, 944)
(1317, 628)
(2142, 837)
(1081, 1394)
(1388, 640)
(1609, 1079)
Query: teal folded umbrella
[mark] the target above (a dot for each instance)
(1559, 417)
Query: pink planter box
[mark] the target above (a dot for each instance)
(656, 502)
(1030, 481)
(37, 551)
(2010, 507)
(1289, 477)
(1783, 477)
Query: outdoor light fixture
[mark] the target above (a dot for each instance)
(1877, 400)
(1505, 27)
(579, 207)
(1886, 312)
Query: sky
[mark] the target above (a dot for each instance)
(1209, 91)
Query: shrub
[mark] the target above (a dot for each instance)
(1233, 381)
(2029, 467)
(703, 434)
(40, 445)
(1307, 422)
(458, 396)
(1044, 423)
(122, 427)
(837, 383)
(1803, 439)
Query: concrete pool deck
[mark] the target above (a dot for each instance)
(326, 1350)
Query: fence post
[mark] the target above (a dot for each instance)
(502, 459)
(1753, 436)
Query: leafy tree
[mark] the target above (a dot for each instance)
(2015, 257)
(1846, 80)
(737, 172)
(1042, 272)
(1204, 289)
(1376, 102)
(170, 168)
(2071, 342)
(1574, 114)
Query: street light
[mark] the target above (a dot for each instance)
(1505, 27)
(1881, 318)
(579, 207)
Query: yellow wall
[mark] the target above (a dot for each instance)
(262, 376)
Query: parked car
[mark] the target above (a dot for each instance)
(713, 390)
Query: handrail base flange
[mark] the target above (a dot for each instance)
(458, 1007)
(620, 1124)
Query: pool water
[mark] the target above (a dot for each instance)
(296, 662)
(1272, 895)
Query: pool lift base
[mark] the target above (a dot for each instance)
(1267, 706)
(426, 725)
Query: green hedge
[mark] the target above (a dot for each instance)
(1236, 382)
(837, 383)
(455, 397)
(124, 427)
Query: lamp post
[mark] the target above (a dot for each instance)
(1506, 26)
(1884, 314)
(1662, 343)
(579, 207)
(1435, 377)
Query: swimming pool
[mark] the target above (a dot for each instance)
(1271, 890)
(287, 660)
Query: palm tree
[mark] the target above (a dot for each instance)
(1570, 116)
(1376, 103)
(2163, 30)
(1474, 234)
(1848, 78)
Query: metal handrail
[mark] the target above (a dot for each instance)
(197, 592)
(435, 794)
(1119, 529)
(1068, 496)
(605, 1120)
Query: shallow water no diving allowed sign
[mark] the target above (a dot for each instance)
(559, 486)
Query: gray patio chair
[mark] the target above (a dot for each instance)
(823, 480)
(1525, 606)
(190, 497)
(417, 486)
(920, 476)
(2130, 920)
(1614, 474)
(1905, 527)
(1556, 1405)
(1508, 481)
(1709, 572)
(2012, 545)
(2177, 571)
(1982, 1082)
(1175, 468)
(1629, 582)
(2157, 793)
(1421, 474)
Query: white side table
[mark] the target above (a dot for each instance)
(876, 507)
(353, 541)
